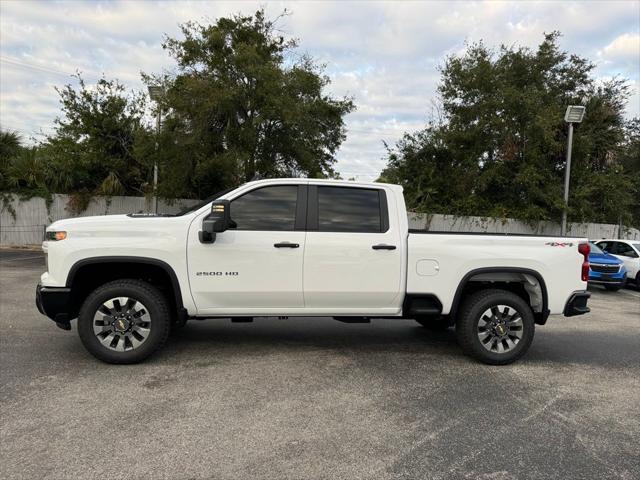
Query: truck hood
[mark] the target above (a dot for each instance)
(118, 223)
(604, 259)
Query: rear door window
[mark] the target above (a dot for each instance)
(345, 209)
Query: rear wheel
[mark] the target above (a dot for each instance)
(495, 326)
(124, 321)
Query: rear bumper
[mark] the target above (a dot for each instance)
(54, 303)
(577, 304)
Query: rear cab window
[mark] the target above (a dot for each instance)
(350, 209)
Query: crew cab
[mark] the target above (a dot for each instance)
(303, 247)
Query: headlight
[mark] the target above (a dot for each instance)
(56, 236)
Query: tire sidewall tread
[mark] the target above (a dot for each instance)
(469, 316)
(146, 293)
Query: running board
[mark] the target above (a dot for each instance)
(241, 319)
(353, 319)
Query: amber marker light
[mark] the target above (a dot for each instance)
(56, 236)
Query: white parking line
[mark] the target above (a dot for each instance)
(626, 291)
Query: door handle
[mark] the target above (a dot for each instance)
(286, 245)
(382, 246)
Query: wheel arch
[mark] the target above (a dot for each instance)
(485, 274)
(131, 267)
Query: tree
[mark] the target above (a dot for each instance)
(10, 147)
(500, 150)
(243, 104)
(629, 159)
(92, 149)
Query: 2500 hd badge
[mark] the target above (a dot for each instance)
(216, 274)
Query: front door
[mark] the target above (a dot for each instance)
(256, 266)
(629, 257)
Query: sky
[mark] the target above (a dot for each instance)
(383, 54)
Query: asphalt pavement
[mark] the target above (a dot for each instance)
(312, 398)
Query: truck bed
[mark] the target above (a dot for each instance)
(438, 261)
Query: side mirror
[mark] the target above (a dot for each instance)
(217, 221)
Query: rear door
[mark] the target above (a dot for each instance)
(353, 253)
(256, 266)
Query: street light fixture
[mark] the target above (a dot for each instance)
(574, 114)
(156, 92)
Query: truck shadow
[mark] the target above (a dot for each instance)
(270, 334)
(222, 339)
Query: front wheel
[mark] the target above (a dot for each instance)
(124, 321)
(495, 326)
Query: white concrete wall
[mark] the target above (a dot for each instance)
(451, 223)
(32, 215)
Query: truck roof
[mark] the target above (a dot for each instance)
(329, 181)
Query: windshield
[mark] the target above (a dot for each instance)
(201, 204)
(595, 248)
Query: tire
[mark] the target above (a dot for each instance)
(125, 333)
(612, 288)
(515, 323)
(638, 280)
(438, 324)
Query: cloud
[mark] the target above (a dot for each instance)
(626, 46)
(384, 54)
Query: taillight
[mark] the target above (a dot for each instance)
(585, 249)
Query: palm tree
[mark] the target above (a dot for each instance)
(9, 144)
(9, 148)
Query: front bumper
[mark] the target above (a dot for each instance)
(608, 279)
(54, 303)
(577, 304)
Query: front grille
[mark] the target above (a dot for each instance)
(605, 268)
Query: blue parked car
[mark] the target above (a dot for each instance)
(605, 269)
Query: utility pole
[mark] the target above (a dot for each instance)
(155, 163)
(574, 114)
(156, 92)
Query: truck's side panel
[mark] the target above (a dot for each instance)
(438, 263)
(356, 263)
(159, 238)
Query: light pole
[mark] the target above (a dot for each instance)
(156, 92)
(574, 114)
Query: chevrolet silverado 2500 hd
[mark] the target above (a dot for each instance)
(302, 247)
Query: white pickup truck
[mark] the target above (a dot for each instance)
(303, 247)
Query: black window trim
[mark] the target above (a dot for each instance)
(628, 245)
(301, 207)
(313, 215)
